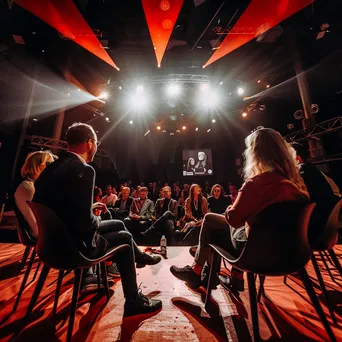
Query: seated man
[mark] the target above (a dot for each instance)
(140, 214)
(72, 175)
(122, 205)
(165, 213)
(109, 199)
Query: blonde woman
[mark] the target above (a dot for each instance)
(271, 176)
(34, 165)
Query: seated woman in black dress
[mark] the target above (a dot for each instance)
(218, 201)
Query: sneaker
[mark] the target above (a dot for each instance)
(193, 250)
(187, 274)
(112, 271)
(205, 278)
(141, 305)
(147, 259)
(233, 285)
(89, 284)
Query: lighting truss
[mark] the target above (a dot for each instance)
(321, 128)
(181, 78)
(59, 145)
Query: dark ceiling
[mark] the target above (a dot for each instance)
(271, 60)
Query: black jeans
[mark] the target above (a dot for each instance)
(116, 234)
(165, 225)
(135, 226)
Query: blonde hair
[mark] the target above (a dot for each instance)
(266, 150)
(33, 161)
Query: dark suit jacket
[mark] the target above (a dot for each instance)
(171, 207)
(124, 212)
(66, 187)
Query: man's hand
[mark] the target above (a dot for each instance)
(100, 206)
(134, 217)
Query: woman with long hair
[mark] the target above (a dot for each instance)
(271, 176)
(34, 165)
(218, 201)
(191, 165)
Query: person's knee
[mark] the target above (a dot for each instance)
(126, 237)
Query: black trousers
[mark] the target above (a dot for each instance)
(135, 226)
(116, 234)
(165, 225)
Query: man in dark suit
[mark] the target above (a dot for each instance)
(166, 214)
(67, 189)
(122, 205)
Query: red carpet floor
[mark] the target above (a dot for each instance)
(286, 315)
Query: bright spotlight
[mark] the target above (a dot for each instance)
(240, 90)
(196, 129)
(131, 122)
(139, 101)
(173, 89)
(213, 120)
(103, 95)
(221, 83)
(120, 87)
(267, 86)
(158, 127)
(172, 133)
(177, 131)
(107, 119)
(68, 94)
(209, 99)
(184, 128)
(208, 130)
(204, 87)
(79, 89)
(140, 89)
(259, 81)
(164, 131)
(244, 114)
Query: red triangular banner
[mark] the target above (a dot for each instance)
(66, 19)
(259, 17)
(161, 16)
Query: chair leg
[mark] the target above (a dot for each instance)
(37, 290)
(104, 278)
(36, 272)
(215, 265)
(323, 288)
(284, 280)
(58, 289)
(77, 285)
(311, 292)
(335, 261)
(261, 291)
(253, 305)
(23, 283)
(326, 266)
(25, 256)
(98, 273)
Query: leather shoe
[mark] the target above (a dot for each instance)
(147, 259)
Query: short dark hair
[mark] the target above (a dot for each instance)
(143, 189)
(108, 186)
(79, 133)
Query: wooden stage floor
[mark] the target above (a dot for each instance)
(286, 315)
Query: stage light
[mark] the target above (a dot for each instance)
(182, 114)
(240, 90)
(158, 127)
(259, 81)
(173, 89)
(164, 131)
(196, 129)
(209, 99)
(177, 131)
(158, 65)
(79, 89)
(244, 114)
(267, 86)
(68, 94)
(213, 120)
(139, 101)
(140, 89)
(172, 133)
(221, 83)
(147, 133)
(104, 95)
(184, 128)
(208, 130)
(131, 122)
(35, 119)
(204, 86)
(107, 119)
(120, 87)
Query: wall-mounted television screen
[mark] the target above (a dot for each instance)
(197, 162)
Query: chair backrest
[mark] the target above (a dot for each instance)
(278, 240)
(55, 246)
(23, 229)
(330, 235)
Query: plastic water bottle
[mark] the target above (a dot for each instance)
(163, 250)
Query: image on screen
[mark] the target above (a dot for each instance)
(197, 162)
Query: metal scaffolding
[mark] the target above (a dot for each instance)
(321, 128)
(59, 145)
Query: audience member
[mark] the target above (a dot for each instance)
(140, 214)
(218, 201)
(97, 194)
(153, 192)
(136, 192)
(34, 164)
(184, 194)
(233, 193)
(165, 214)
(109, 199)
(122, 205)
(72, 174)
(177, 193)
(272, 173)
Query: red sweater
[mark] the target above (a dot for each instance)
(259, 192)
